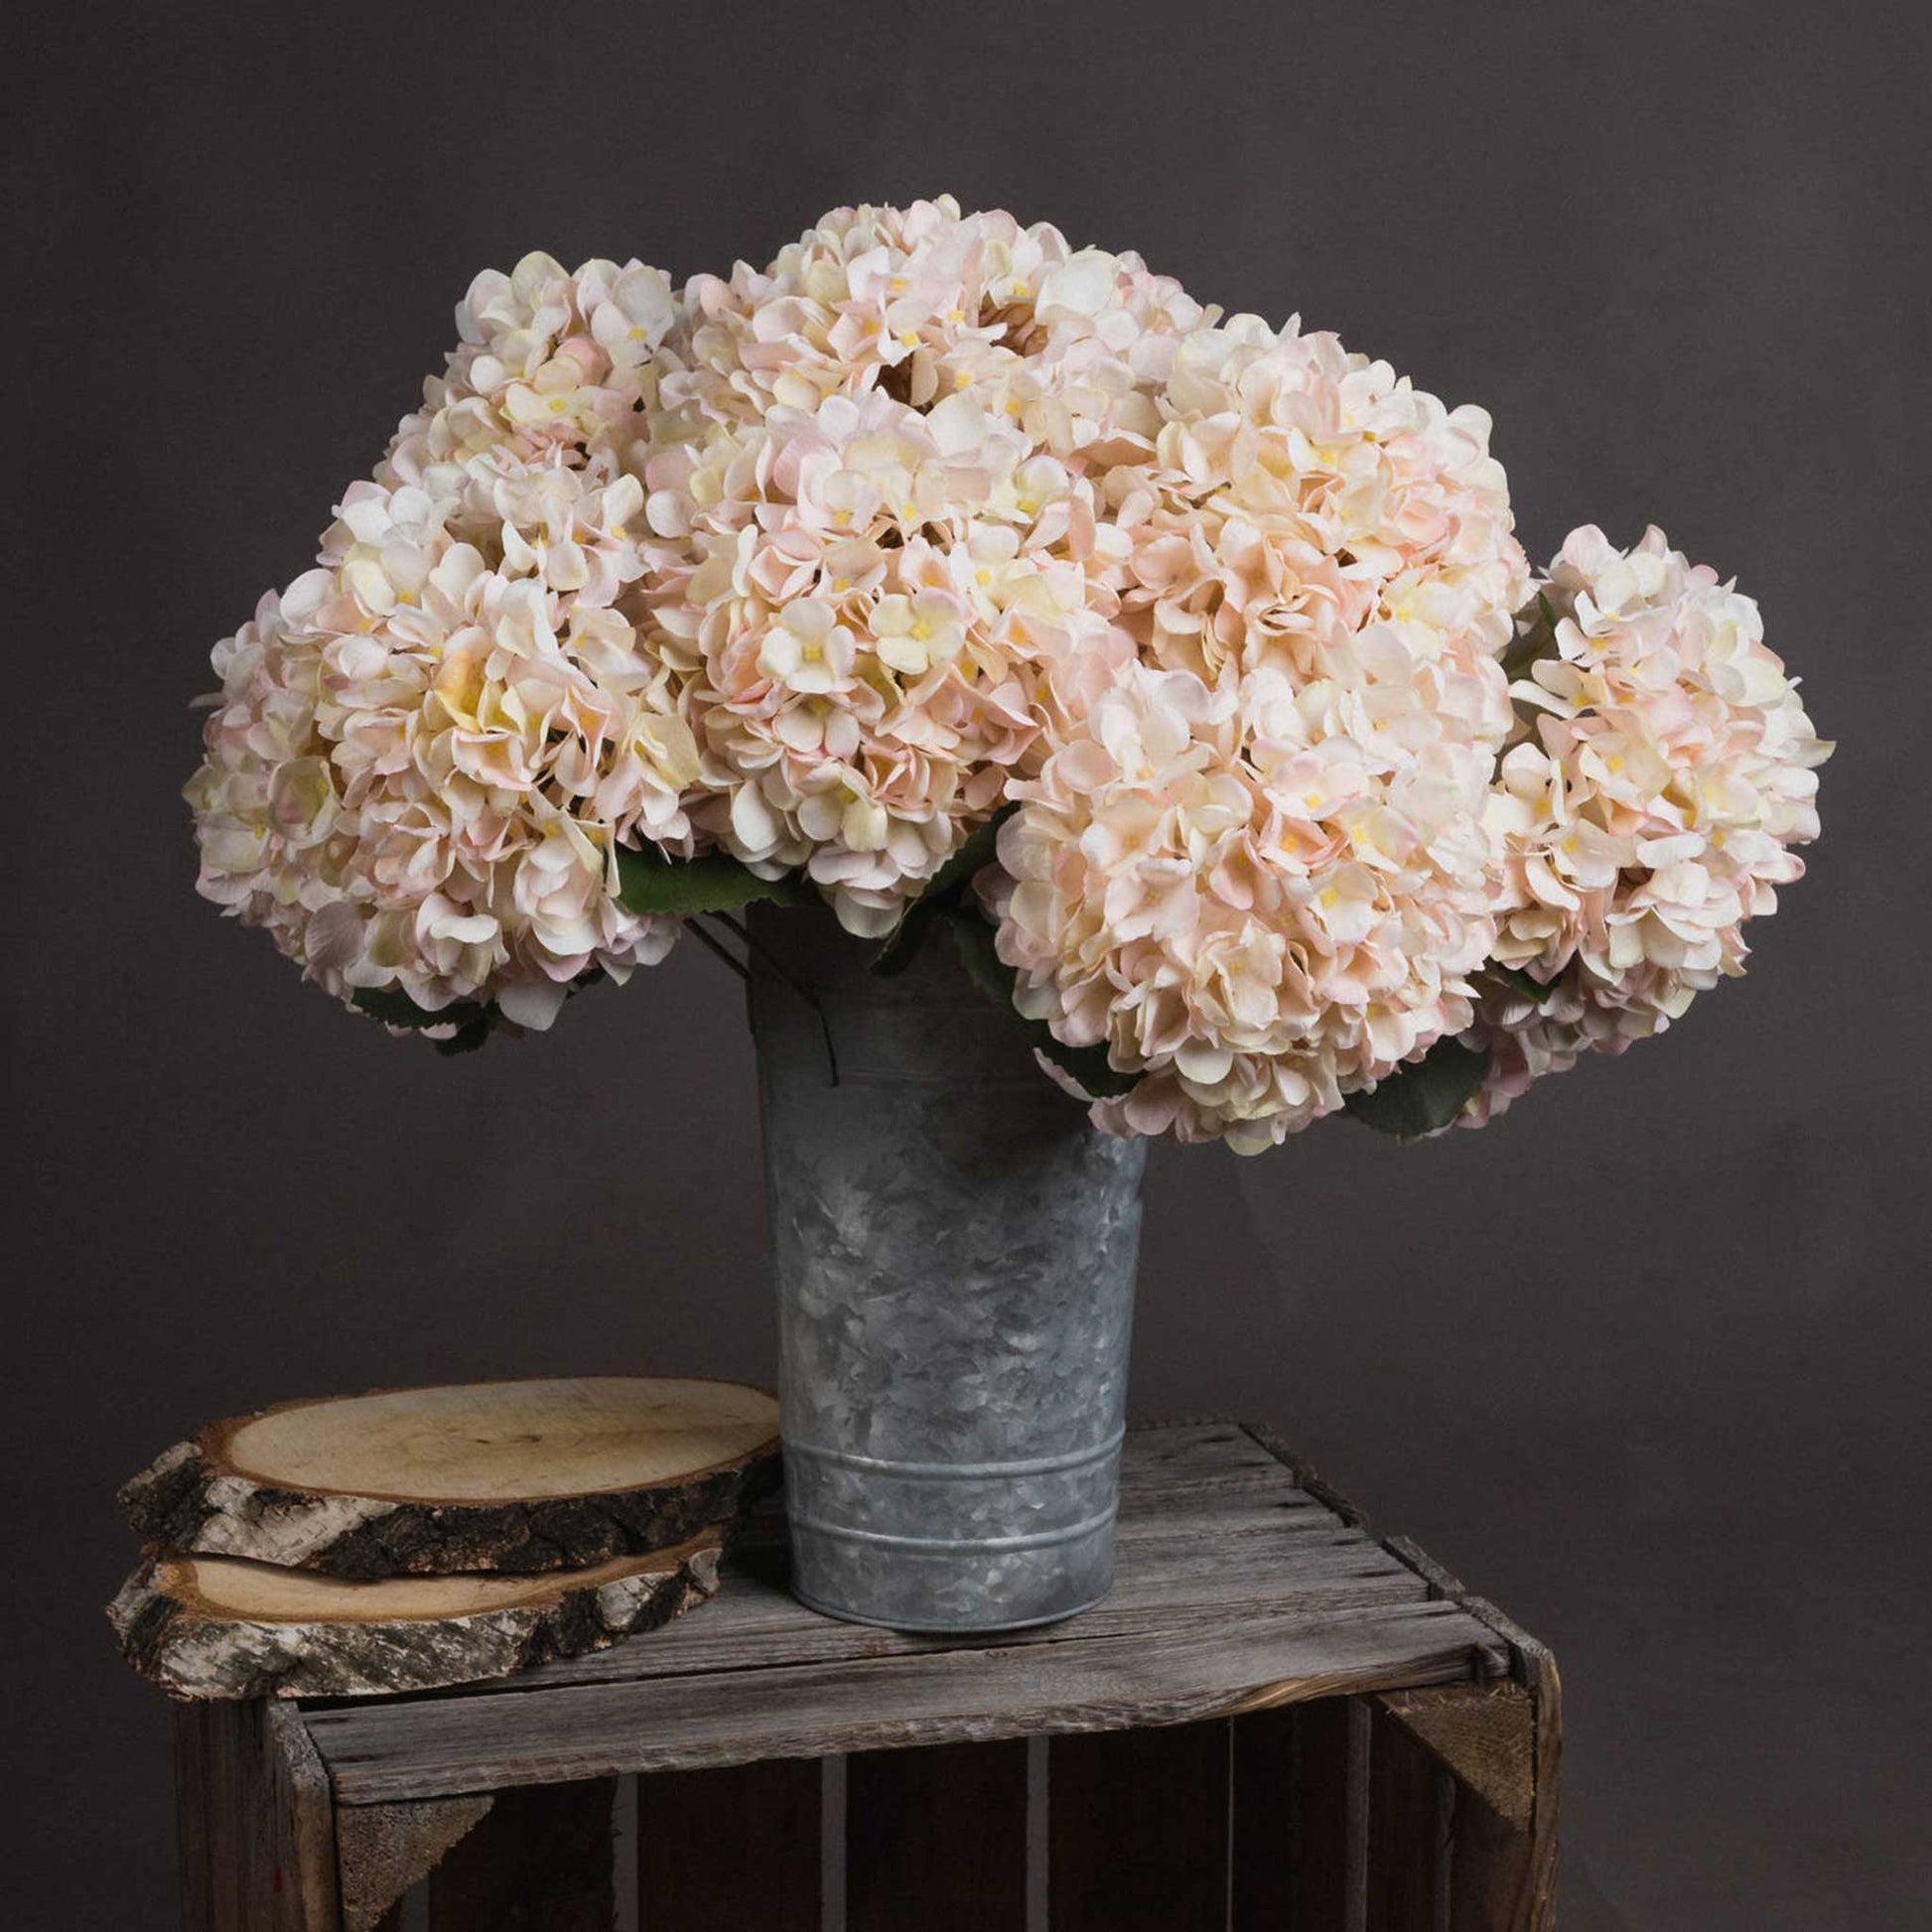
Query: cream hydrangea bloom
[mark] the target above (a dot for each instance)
(1256, 906)
(880, 612)
(818, 566)
(882, 562)
(1319, 575)
(426, 751)
(550, 365)
(922, 303)
(1648, 812)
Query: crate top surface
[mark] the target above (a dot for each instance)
(1235, 1589)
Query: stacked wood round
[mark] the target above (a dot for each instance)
(414, 1538)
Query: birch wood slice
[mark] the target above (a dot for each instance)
(517, 1477)
(222, 1627)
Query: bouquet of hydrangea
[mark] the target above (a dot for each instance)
(1187, 669)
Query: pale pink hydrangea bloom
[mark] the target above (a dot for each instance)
(426, 751)
(923, 302)
(1321, 559)
(1300, 496)
(1647, 813)
(882, 562)
(1230, 889)
(880, 612)
(550, 365)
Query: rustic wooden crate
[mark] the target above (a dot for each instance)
(1275, 1721)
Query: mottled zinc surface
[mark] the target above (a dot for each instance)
(955, 1257)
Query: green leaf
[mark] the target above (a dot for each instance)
(397, 1009)
(1538, 642)
(1521, 983)
(943, 890)
(1091, 1069)
(648, 881)
(468, 1037)
(981, 958)
(1424, 1095)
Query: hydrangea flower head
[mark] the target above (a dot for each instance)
(882, 555)
(1649, 809)
(426, 751)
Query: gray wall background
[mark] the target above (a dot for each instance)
(1648, 1362)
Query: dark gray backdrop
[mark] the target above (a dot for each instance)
(1648, 1362)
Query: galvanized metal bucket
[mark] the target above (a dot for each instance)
(955, 1251)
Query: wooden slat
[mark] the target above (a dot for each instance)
(1191, 1457)
(539, 1862)
(1285, 1554)
(734, 1849)
(194, 1852)
(1137, 1828)
(1503, 1877)
(1330, 1800)
(1261, 1820)
(387, 1850)
(382, 1751)
(1407, 1821)
(938, 1838)
(756, 1628)
(255, 1822)
(306, 1899)
(1483, 1735)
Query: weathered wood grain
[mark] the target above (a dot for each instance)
(1296, 1558)
(733, 1629)
(1408, 1804)
(1196, 1456)
(1245, 1588)
(1484, 1735)
(519, 1478)
(377, 1752)
(385, 1850)
(539, 1862)
(767, 1814)
(1328, 1786)
(255, 1823)
(1137, 1824)
(1504, 1878)
(938, 1838)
